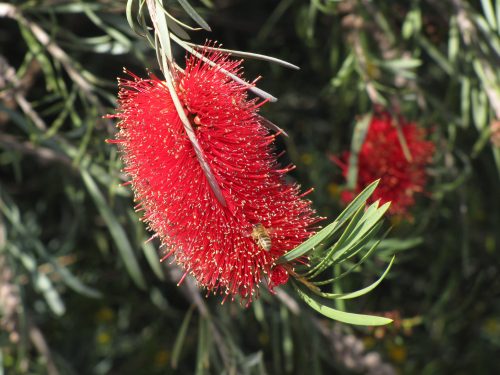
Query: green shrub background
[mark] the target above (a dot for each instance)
(82, 293)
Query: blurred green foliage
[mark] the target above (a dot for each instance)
(82, 293)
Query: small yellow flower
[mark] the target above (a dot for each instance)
(397, 353)
(491, 326)
(161, 358)
(306, 158)
(372, 70)
(263, 338)
(103, 338)
(396, 220)
(334, 190)
(105, 314)
(490, 243)
(368, 342)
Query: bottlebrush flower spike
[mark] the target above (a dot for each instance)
(382, 156)
(227, 248)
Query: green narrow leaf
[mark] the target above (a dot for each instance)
(329, 230)
(497, 9)
(453, 39)
(194, 15)
(490, 36)
(337, 288)
(489, 13)
(117, 232)
(13, 214)
(326, 259)
(465, 99)
(44, 285)
(351, 269)
(249, 55)
(407, 28)
(276, 344)
(412, 23)
(203, 357)
(344, 72)
(181, 336)
(433, 52)
(483, 140)
(177, 29)
(268, 26)
(73, 282)
(354, 239)
(479, 108)
(163, 48)
(317, 347)
(399, 244)
(258, 311)
(253, 361)
(85, 140)
(39, 52)
(249, 87)
(60, 119)
(17, 118)
(41, 282)
(287, 340)
(400, 64)
(114, 33)
(341, 316)
(359, 135)
(351, 249)
(496, 156)
(152, 258)
(208, 3)
(159, 300)
(368, 221)
(130, 17)
(360, 292)
(309, 244)
(358, 202)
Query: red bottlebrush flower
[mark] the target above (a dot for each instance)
(382, 156)
(226, 247)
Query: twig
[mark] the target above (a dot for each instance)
(8, 75)
(56, 52)
(192, 294)
(41, 346)
(42, 154)
(288, 301)
(10, 11)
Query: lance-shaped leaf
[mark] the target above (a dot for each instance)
(359, 292)
(355, 237)
(359, 135)
(341, 316)
(194, 15)
(332, 228)
(117, 232)
(351, 269)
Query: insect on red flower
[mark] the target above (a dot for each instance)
(214, 240)
(382, 156)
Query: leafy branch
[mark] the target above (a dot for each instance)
(351, 234)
